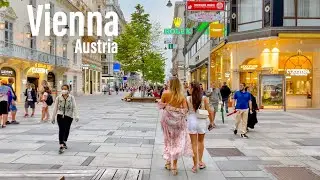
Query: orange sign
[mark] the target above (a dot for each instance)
(216, 30)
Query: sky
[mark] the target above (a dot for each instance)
(158, 11)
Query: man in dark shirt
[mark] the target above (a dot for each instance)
(225, 93)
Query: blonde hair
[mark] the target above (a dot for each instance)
(176, 90)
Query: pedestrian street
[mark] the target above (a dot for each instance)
(114, 135)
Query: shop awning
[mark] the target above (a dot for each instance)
(218, 46)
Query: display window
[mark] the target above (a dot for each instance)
(6, 73)
(204, 77)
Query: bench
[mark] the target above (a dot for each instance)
(141, 99)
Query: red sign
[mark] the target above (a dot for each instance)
(205, 6)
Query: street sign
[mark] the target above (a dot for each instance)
(172, 46)
(205, 17)
(205, 6)
(168, 41)
(216, 30)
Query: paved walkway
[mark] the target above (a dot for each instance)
(116, 134)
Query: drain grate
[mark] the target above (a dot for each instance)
(292, 173)
(223, 152)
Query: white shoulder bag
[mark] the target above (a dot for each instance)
(202, 113)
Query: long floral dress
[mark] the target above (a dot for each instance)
(177, 141)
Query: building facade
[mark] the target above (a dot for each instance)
(29, 58)
(272, 37)
(111, 76)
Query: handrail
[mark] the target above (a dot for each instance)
(13, 50)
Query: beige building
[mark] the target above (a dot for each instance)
(29, 58)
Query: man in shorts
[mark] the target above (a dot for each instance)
(5, 98)
(214, 99)
(12, 106)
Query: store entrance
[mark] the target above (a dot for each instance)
(34, 81)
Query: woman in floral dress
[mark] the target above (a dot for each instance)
(173, 121)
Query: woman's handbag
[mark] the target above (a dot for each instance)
(202, 113)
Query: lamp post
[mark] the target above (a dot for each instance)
(169, 4)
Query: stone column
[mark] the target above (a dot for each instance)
(316, 79)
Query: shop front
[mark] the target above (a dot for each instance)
(200, 74)
(220, 68)
(91, 79)
(290, 59)
(6, 73)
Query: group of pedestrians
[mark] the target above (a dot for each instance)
(188, 112)
(64, 111)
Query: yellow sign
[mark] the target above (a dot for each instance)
(216, 30)
(177, 22)
(39, 70)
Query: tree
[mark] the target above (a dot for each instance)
(137, 51)
(4, 3)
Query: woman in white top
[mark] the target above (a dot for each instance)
(198, 123)
(65, 110)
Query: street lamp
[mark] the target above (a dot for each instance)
(169, 4)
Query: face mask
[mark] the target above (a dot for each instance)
(64, 91)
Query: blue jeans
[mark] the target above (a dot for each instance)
(225, 104)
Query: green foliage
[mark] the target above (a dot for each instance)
(136, 49)
(4, 3)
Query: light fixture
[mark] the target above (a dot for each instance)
(169, 4)
(64, 48)
(28, 35)
(49, 43)
(2, 25)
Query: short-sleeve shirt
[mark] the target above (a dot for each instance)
(243, 99)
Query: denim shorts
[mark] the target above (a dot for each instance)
(13, 108)
(197, 126)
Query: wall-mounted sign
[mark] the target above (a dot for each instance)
(178, 31)
(39, 70)
(85, 66)
(205, 17)
(8, 72)
(116, 67)
(168, 41)
(298, 72)
(177, 22)
(248, 67)
(205, 6)
(172, 46)
(216, 30)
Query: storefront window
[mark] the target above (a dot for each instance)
(6, 73)
(204, 77)
(249, 73)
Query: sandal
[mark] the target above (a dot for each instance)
(174, 172)
(194, 169)
(202, 165)
(167, 166)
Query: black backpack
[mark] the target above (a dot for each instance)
(49, 100)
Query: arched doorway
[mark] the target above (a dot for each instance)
(298, 71)
(51, 78)
(6, 73)
(249, 73)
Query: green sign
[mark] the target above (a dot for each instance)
(172, 46)
(178, 31)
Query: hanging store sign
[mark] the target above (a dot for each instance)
(205, 17)
(39, 70)
(298, 72)
(248, 67)
(216, 30)
(227, 74)
(8, 72)
(178, 31)
(205, 6)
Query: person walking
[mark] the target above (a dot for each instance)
(6, 96)
(214, 99)
(47, 101)
(186, 89)
(225, 93)
(65, 110)
(12, 106)
(252, 118)
(242, 103)
(198, 123)
(31, 99)
(117, 89)
(177, 143)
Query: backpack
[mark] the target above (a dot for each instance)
(49, 100)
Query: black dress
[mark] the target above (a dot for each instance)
(252, 118)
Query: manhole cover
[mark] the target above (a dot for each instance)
(292, 173)
(222, 152)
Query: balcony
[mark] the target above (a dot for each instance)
(80, 5)
(15, 51)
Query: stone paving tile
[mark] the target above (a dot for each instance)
(243, 165)
(254, 174)
(229, 174)
(206, 175)
(9, 166)
(37, 166)
(218, 152)
(50, 159)
(123, 150)
(72, 147)
(247, 178)
(121, 162)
